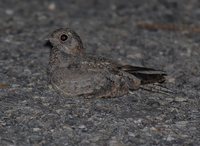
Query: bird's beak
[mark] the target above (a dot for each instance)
(48, 44)
(53, 41)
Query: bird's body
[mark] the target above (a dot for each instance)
(74, 73)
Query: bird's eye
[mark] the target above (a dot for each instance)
(64, 37)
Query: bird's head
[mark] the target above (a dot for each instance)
(66, 40)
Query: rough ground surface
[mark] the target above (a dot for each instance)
(31, 113)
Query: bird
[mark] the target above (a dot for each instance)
(73, 72)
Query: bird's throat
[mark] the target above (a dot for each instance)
(54, 56)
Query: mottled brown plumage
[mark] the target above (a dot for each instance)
(74, 73)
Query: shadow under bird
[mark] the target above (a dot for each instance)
(73, 72)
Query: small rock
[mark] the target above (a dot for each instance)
(169, 99)
(169, 138)
(180, 99)
(95, 138)
(115, 142)
(36, 129)
(131, 134)
(82, 127)
(9, 12)
(171, 79)
(15, 85)
(139, 121)
(133, 56)
(34, 139)
(52, 6)
(181, 123)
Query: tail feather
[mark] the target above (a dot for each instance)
(146, 75)
(157, 88)
(150, 78)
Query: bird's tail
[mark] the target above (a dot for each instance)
(157, 88)
(146, 75)
(151, 79)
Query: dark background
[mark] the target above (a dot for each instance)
(31, 113)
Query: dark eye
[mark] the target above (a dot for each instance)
(64, 37)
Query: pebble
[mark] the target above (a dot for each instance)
(82, 127)
(180, 99)
(169, 138)
(181, 123)
(131, 134)
(52, 6)
(36, 129)
(9, 12)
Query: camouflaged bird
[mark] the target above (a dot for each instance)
(74, 73)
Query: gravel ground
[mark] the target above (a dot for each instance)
(31, 113)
